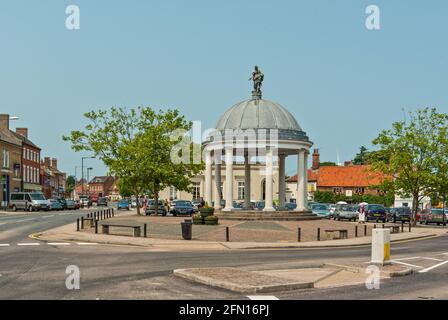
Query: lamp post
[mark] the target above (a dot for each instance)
(88, 176)
(82, 171)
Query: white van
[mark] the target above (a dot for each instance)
(29, 201)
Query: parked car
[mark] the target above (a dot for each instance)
(399, 214)
(182, 207)
(434, 216)
(134, 203)
(28, 201)
(332, 210)
(102, 202)
(152, 206)
(123, 204)
(70, 204)
(376, 212)
(56, 205)
(321, 209)
(85, 201)
(77, 204)
(346, 212)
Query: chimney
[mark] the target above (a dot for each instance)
(22, 132)
(316, 159)
(47, 162)
(54, 163)
(4, 121)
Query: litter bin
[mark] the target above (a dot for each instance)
(187, 229)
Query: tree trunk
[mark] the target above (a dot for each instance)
(415, 204)
(138, 206)
(156, 200)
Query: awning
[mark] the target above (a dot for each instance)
(32, 187)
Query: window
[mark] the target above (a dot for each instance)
(240, 190)
(5, 158)
(359, 190)
(196, 190)
(337, 190)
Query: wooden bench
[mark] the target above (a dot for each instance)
(105, 227)
(393, 228)
(343, 234)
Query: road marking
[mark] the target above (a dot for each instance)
(433, 267)
(23, 220)
(406, 264)
(411, 258)
(263, 298)
(86, 243)
(58, 244)
(4, 244)
(48, 216)
(29, 244)
(433, 259)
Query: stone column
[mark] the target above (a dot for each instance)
(208, 178)
(269, 183)
(305, 177)
(281, 180)
(229, 179)
(247, 191)
(301, 181)
(218, 180)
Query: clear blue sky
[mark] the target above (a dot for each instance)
(343, 82)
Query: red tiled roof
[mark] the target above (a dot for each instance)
(348, 176)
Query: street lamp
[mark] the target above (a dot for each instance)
(82, 171)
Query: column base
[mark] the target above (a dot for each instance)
(227, 210)
(271, 209)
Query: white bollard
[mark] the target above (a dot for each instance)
(381, 246)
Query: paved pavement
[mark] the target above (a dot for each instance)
(118, 272)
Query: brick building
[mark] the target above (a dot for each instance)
(10, 161)
(348, 180)
(30, 162)
(101, 186)
(52, 179)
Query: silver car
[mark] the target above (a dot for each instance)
(346, 212)
(29, 201)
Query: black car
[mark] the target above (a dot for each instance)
(182, 207)
(151, 209)
(399, 214)
(102, 202)
(376, 212)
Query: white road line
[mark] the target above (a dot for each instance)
(406, 264)
(4, 244)
(29, 244)
(86, 243)
(263, 298)
(433, 267)
(23, 220)
(411, 258)
(48, 216)
(58, 244)
(433, 259)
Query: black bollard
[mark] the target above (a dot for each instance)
(299, 235)
(410, 226)
(145, 234)
(365, 230)
(356, 231)
(227, 234)
(82, 223)
(402, 226)
(318, 234)
(77, 224)
(96, 226)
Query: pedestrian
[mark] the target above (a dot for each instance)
(362, 213)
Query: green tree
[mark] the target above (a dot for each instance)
(327, 164)
(361, 157)
(70, 184)
(410, 153)
(136, 146)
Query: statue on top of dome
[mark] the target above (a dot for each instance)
(257, 78)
